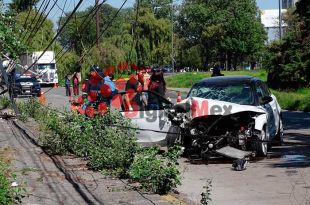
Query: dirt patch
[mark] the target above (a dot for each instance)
(7, 154)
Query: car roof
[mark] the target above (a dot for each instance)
(228, 80)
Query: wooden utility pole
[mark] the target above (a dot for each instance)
(97, 24)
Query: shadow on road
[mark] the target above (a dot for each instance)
(296, 120)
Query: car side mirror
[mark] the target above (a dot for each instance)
(265, 100)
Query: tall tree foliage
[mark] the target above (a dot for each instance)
(9, 39)
(223, 29)
(140, 38)
(288, 60)
(22, 5)
(34, 35)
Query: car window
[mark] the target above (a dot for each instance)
(22, 80)
(261, 91)
(45, 66)
(234, 93)
(265, 89)
(143, 101)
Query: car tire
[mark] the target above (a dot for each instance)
(278, 139)
(172, 136)
(260, 146)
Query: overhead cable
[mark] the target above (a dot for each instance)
(55, 37)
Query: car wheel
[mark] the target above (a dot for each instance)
(173, 136)
(261, 146)
(279, 136)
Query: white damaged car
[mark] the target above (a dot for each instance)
(232, 116)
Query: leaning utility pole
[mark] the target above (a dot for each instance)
(97, 23)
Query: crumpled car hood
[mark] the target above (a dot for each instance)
(199, 107)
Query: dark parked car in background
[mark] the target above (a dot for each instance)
(167, 69)
(26, 86)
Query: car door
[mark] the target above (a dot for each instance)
(151, 121)
(274, 105)
(269, 108)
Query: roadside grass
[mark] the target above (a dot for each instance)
(294, 100)
(298, 100)
(186, 80)
(5, 192)
(8, 194)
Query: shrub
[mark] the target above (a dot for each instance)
(5, 191)
(4, 102)
(107, 147)
(155, 172)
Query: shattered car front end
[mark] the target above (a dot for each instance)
(212, 127)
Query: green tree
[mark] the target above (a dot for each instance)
(80, 32)
(287, 60)
(224, 30)
(160, 8)
(153, 38)
(22, 5)
(9, 40)
(35, 37)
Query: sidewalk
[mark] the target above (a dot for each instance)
(62, 180)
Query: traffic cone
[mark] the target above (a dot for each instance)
(42, 98)
(179, 98)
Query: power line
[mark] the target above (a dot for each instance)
(55, 37)
(28, 14)
(80, 28)
(84, 22)
(38, 21)
(95, 8)
(62, 13)
(37, 12)
(104, 30)
(45, 17)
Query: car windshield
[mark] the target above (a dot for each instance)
(23, 80)
(234, 93)
(45, 66)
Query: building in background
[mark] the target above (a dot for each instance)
(288, 3)
(270, 20)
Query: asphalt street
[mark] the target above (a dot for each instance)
(279, 179)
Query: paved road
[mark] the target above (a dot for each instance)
(281, 178)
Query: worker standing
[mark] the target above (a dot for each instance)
(67, 85)
(75, 80)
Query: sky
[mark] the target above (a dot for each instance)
(56, 12)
